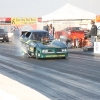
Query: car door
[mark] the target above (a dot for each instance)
(31, 43)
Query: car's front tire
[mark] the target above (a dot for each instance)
(36, 54)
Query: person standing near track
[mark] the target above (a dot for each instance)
(16, 35)
(51, 30)
(46, 27)
(93, 33)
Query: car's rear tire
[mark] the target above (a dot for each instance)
(27, 51)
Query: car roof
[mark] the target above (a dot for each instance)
(37, 31)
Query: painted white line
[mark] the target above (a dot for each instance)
(13, 90)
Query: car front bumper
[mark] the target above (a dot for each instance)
(60, 55)
(4, 38)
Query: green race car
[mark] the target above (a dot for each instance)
(40, 44)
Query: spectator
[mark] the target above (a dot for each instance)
(93, 33)
(51, 30)
(13, 29)
(46, 27)
(16, 35)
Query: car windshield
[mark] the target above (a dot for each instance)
(76, 28)
(73, 28)
(39, 35)
(2, 31)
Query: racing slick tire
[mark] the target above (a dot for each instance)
(63, 57)
(27, 51)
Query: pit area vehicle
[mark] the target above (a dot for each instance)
(71, 34)
(3, 36)
(87, 34)
(39, 44)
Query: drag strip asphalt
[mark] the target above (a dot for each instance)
(74, 78)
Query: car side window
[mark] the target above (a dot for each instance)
(28, 34)
(32, 36)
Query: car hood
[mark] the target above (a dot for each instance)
(53, 44)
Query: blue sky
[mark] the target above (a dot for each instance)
(38, 8)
